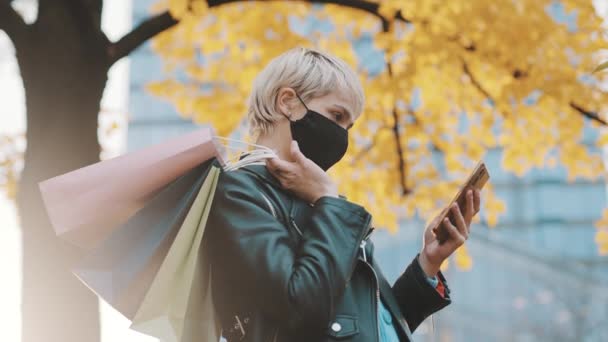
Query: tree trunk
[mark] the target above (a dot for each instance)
(64, 73)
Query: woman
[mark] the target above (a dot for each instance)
(291, 259)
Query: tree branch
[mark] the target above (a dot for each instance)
(157, 24)
(518, 74)
(12, 23)
(366, 6)
(475, 82)
(396, 134)
(479, 87)
(144, 31)
(589, 114)
(386, 26)
(402, 167)
(369, 147)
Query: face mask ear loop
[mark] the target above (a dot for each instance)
(303, 104)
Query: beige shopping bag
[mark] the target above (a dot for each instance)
(178, 307)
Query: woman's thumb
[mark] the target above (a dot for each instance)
(295, 152)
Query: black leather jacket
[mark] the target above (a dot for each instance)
(284, 270)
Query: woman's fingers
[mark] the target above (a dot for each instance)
(296, 154)
(286, 172)
(470, 208)
(278, 166)
(477, 201)
(459, 221)
(455, 234)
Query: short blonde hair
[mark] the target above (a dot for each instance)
(310, 73)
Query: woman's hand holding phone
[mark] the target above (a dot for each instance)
(451, 228)
(458, 227)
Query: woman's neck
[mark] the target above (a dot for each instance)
(278, 140)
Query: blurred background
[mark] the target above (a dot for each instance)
(447, 84)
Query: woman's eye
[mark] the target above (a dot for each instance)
(338, 116)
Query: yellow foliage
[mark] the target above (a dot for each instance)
(11, 157)
(473, 60)
(178, 8)
(462, 258)
(601, 238)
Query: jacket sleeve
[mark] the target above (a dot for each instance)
(417, 298)
(297, 285)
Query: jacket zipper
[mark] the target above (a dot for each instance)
(364, 242)
(293, 223)
(270, 206)
(377, 299)
(274, 214)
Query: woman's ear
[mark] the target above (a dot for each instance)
(285, 101)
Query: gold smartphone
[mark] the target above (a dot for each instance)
(476, 180)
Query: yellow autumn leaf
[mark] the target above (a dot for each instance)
(178, 8)
(601, 238)
(11, 189)
(462, 259)
(199, 7)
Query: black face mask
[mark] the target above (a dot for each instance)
(320, 139)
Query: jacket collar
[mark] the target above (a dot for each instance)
(262, 172)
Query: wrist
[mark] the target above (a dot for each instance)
(429, 268)
(329, 190)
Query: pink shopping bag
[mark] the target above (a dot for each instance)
(87, 204)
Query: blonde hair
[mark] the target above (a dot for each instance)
(310, 73)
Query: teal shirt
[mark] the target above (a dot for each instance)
(385, 325)
(385, 319)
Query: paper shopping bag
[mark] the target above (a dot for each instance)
(121, 269)
(86, 205)
(178, 307)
